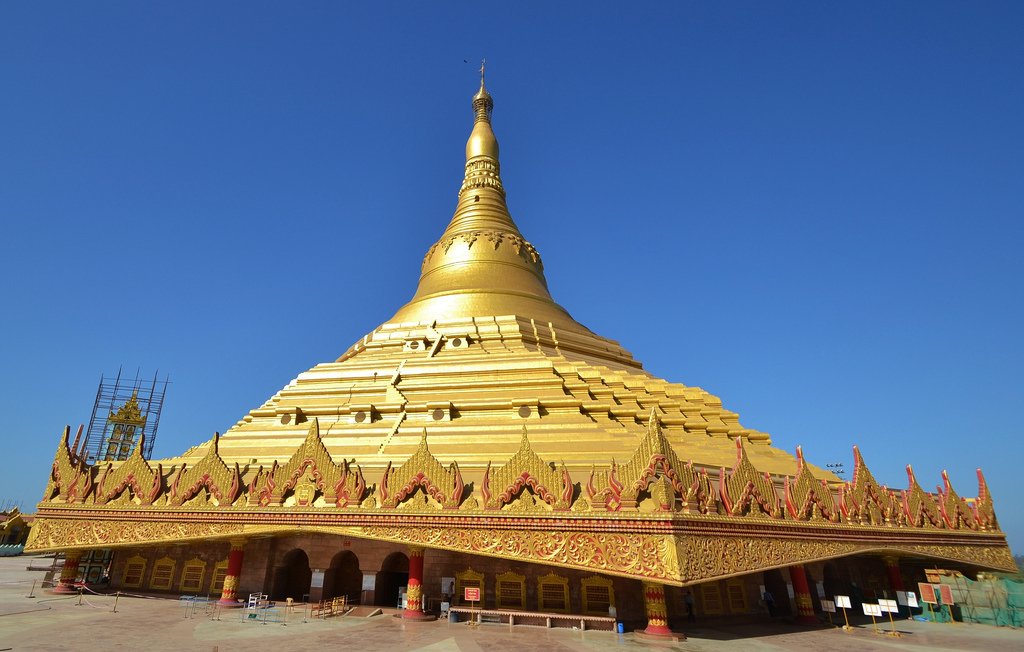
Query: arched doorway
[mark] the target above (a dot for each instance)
(292, 577)
(343, 578)
(776, 583)
(834, 582)
(394, 573)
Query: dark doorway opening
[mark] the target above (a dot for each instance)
(343, 578)
(776, 583)
(292, 577)
(394, 574)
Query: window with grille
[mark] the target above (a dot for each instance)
(192, 575)
(711, 598)
(597, 595)
(511, 591)
(553, 593)
(737, 595)
(163, 574)
(220, 571)
(133, 571)
(468, 578)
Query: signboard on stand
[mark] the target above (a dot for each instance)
(927, 593)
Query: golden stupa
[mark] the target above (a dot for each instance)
(482, 418)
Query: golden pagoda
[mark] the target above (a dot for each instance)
(484, 438)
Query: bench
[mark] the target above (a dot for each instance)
(535, 618)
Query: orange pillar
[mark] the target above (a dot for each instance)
(802, 593)
(69, 574)
(229, 594)
(657, 615)
(414, 592)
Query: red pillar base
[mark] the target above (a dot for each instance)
(230, 604)
(65, 589)
(668, 637)
(411, 614)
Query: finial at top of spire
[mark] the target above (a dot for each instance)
(482, 102)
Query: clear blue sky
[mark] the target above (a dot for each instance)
(812, 210)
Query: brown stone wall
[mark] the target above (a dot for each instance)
(211, 553)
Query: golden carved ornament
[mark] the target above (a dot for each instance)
(956, 513)
(527, 469)
(309, 473)
(715, 557)
(211, 472)
(134, 475)
(52, 533)
(422, 470)
(746, 491)
(129, 414)
(70, 477)
(634, 555)
(807, 498)
(919, 508)
(863, 500)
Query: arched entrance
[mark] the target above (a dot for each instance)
(292, 577)
(776, 583)
(343, 577)
(394, 573)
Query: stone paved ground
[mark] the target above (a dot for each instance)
(48, 622)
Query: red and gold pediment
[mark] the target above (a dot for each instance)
(224, 484)
(133, 480)
(807, 498)
(525, 470)
(70, 477)
(863, 500)
(746, 491)
(422, 471)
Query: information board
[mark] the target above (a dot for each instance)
(843, 602)
(927, 592)
(472, 594)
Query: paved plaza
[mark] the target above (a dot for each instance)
(49, 622)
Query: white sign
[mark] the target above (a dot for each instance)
(789, 590)
(829, 606)
(889, 606)
(843, 602)
(871, 609)
(317, 580)
(369, 581)
(911, 599)
(821, 589)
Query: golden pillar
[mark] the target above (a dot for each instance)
(657, 613)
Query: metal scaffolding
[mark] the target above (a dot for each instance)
(124, 410)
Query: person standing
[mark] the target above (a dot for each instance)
(769, 601)
(688, 599)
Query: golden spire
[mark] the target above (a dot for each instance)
(482, 265)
